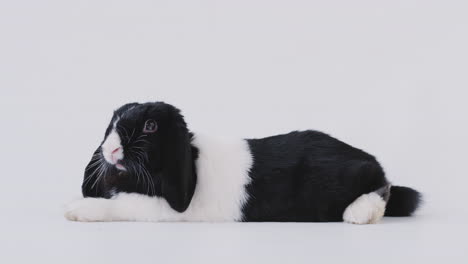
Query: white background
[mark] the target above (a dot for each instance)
(386, 76)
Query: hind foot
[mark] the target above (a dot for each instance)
(366, 209)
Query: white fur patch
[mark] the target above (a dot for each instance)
(366, 209)
(88, 210)
(222, 173)
(112, 143)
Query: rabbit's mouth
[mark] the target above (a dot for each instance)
(120, 167)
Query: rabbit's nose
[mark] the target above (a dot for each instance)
(115, 150)
(115, 155)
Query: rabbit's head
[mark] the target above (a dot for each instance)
(150, 145)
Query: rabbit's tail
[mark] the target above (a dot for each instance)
(403, 201)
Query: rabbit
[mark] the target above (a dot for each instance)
(150, 167)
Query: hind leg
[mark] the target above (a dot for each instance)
(368, 208)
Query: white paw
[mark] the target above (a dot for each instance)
(367, 209)
(87, 210)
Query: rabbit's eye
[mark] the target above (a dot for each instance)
(150, 126)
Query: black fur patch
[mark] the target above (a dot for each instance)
(307, 176)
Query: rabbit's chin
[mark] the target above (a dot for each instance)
(120, 167)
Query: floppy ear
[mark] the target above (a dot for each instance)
(178, 178)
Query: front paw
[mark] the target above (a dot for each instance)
(87, 210)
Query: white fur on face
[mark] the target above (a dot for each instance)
(222, 174)
(112, 148)
(366, 209)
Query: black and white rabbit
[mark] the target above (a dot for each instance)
(151, 168)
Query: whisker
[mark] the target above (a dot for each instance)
(87, 179)
(133, 132)
(145, 182)
(139, 154)
(94, 164)
(153, 189)
(102, 172)
(124, 131)
(137, 174)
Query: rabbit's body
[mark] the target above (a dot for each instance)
(300, 176)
